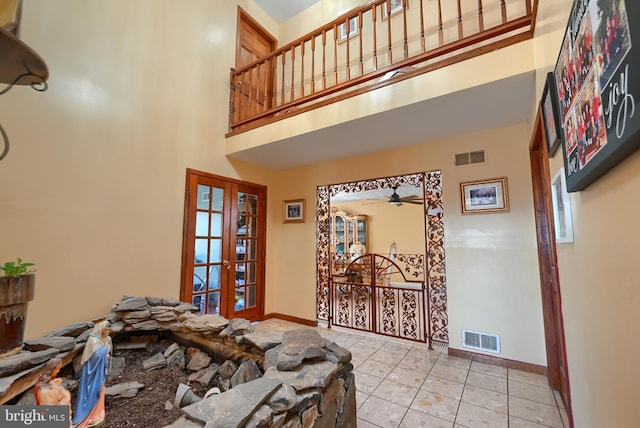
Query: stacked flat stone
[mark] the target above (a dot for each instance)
(307, 382)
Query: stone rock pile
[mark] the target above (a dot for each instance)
(266, 378)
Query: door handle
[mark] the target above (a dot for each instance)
(227, 264)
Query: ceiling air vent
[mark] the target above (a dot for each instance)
(482, 341)
(469, 158)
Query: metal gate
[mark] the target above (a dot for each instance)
(383, 294)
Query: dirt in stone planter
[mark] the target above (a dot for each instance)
(147, 409)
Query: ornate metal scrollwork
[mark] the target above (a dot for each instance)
(410, 313)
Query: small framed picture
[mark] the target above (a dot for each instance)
(485, 196)
(354, 29)
(551, 115)
(561, 209)
(293, 211)
(394, 5)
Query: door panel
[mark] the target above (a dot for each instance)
(547, 257)
(254, 87)
(223, 246)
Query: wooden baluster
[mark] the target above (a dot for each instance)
(406, 39)
(389, 50)
(232, 99)
(374, 21)
(480, 16)
(274, 81)
(360, 43)
(423, 44)
(257, 99)
(347, 42)
(246, 92)
(313, 64)
(284, 54)
(335, 54)
(293, 73)
(503, 6)
(324, 59)
(268, 93)
(460, 32)
(302, 69)
(440, 33)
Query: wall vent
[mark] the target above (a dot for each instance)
(483, 341)
(468, 158)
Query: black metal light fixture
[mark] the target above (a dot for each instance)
(19, 64)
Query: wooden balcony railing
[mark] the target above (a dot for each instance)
(379, 43)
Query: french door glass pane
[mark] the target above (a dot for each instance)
(252, 272)
(241, 226)
(253, 229)
(201, 253)
(216, 224)
(239, 299)
(252, 204)
(199, 278)
(214, 303)
(216, 250)
(198, 300)
(204, 195)
(202, 223)
(218, 199)
(251, 291)
(253, 249)
(240, 267)
(214, 277)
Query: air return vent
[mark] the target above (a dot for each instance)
(483, 341)
(469, 158)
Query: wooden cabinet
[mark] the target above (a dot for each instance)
(347, 229)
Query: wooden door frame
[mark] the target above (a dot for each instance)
(186, 233)
(547, 262)
(243, 16)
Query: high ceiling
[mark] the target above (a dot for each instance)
(281, 10)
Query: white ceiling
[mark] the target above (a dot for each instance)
(281, 10)
(493, 105)
(381, 195)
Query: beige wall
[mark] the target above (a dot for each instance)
(492, 274)
(598, 272)
(93, 187)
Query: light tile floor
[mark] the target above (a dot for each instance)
(404, 384)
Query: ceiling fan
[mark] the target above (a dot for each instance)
(397, 200)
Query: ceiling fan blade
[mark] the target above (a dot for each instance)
(415, 202)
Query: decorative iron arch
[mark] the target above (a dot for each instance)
(431, 183)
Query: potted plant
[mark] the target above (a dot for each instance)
(17, 288)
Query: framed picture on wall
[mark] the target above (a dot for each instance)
(598, 88)
(395, 5)
(484, 196)
(551, 115)
(562, 219)
(293, 211)
(354, 29)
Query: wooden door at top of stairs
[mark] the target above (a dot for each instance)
(224, 246)
(256, 86)
(557, 369)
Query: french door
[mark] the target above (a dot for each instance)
(223, 246)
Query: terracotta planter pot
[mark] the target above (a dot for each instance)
(15, 294)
